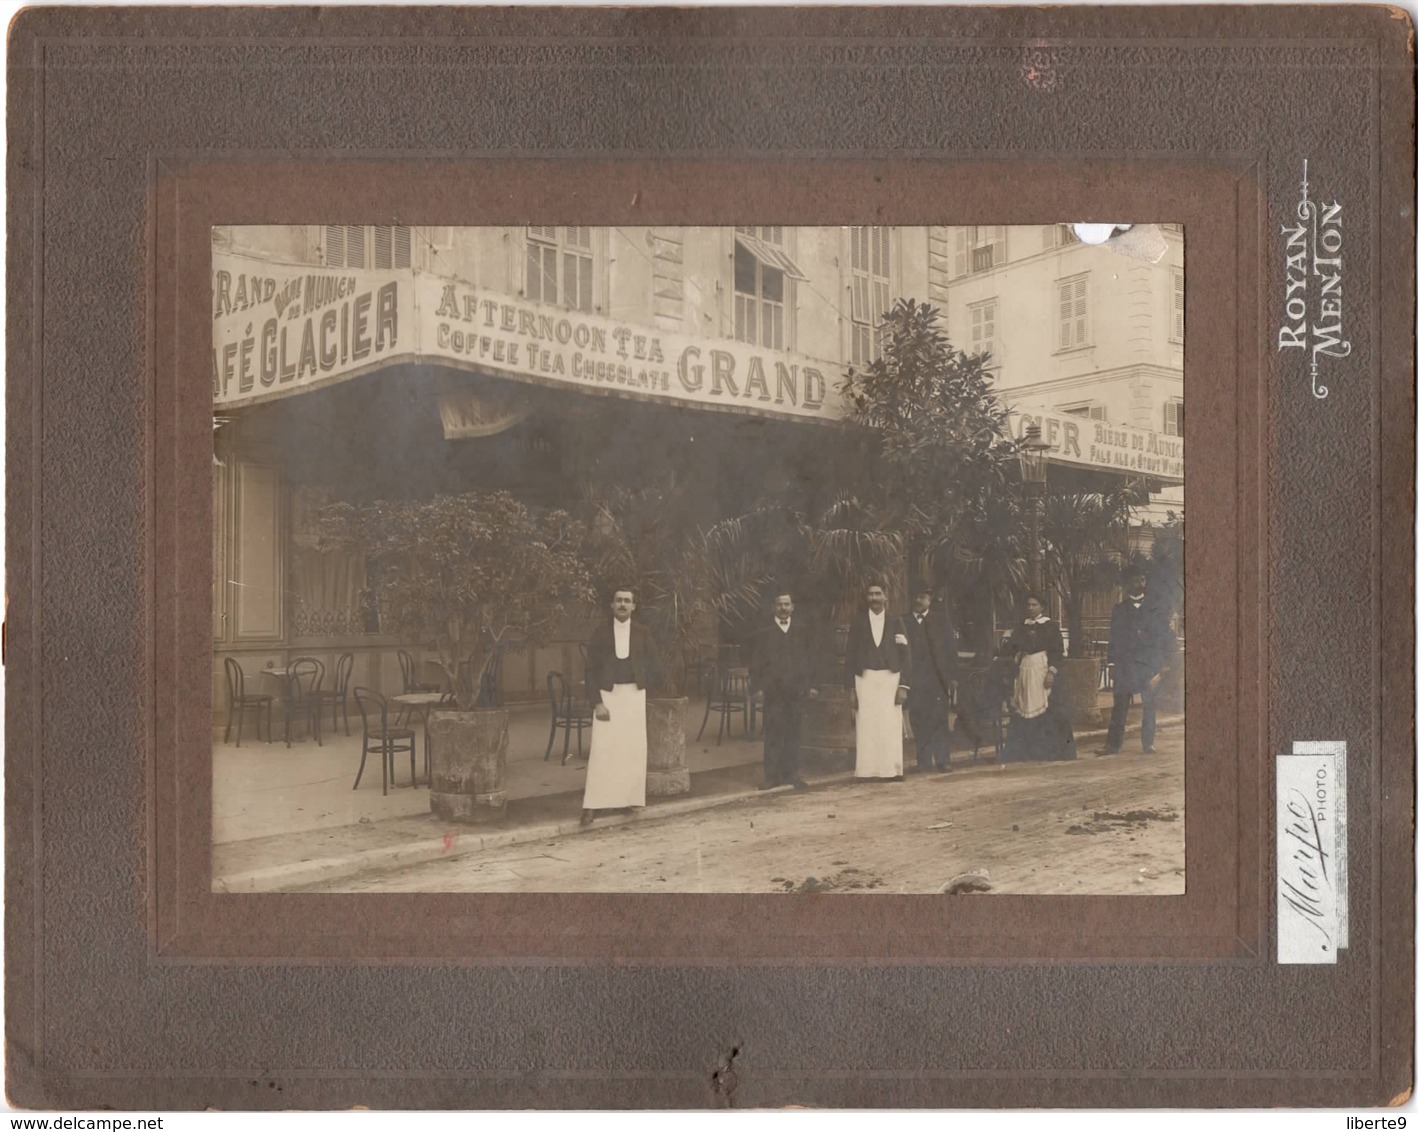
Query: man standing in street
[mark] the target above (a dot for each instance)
(933, 662)
(1140, 646)
(621, 662)
(783, 670)
(878, 671)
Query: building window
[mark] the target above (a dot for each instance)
(1179, 305)
(983, 317)
(1089, 409)
(871, 290)
(1073, 313)
(559, 266)
(978, 248)
(1172, 422)
(1059, 236)
(759, 290)
(381, 246)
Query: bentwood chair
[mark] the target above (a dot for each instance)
(238, 701)
(728, 697)
(304, 676)
(338, 697)
(566, 713)
(379, 736)
(406, 669)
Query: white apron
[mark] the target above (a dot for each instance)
(615, 775)
(879, 725)
(1031, 698)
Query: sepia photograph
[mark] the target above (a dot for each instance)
(754, 559)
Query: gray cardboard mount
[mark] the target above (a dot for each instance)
(130, 985)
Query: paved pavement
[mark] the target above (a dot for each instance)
(284, 818)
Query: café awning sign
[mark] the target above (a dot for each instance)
(284, 329)
(1103, 445)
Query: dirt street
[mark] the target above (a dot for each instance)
(1110, 825)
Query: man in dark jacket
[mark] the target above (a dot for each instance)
(1140, 646)
(783, 670)
(878, 676)
(621, 663)
(933, 662)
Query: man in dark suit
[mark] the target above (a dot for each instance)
(933, 662)
(878, 675)
(621, 663)
(1140, 646)
(783, 670)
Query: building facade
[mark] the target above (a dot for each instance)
(336, 345)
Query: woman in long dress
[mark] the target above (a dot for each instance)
(1038, 730)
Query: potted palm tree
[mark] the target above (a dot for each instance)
(1085, 539)
(470, 574)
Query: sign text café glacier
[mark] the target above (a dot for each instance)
(281, 329)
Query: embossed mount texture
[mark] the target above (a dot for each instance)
(131, 130)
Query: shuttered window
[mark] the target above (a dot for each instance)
(983, 317)
(1172, 422)
(1179, 305)
(871, 290)
(380, 246)
(977, 248)
(560, 266)
(760, 291)
(1073, 313)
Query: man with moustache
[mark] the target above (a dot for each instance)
(1140, 646)
(933, 662)
(878, 671)
(621, 662)
(783, 670)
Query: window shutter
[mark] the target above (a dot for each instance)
(1178, 305)
(997, 241)
(960, 260)
(383, 246)
(335, 245)
(354, 245)
(1065, 316)
(858, 260)
(584, 286)
(1080, 312)
(403, 246)
(861, 312)
(886, 253)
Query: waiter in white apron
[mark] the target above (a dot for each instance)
(620, 663)
(878, 661)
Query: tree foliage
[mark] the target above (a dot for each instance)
(1085, 545)
(468, 573)
(942, 463)
(684, 574)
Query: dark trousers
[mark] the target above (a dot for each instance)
(782, 735)
(930, 723)
(1122, 701)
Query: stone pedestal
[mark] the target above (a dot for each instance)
(829, 738)
(469, 763)
(667, 769)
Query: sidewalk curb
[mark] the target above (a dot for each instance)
(457, 843)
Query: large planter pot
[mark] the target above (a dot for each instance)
(1076, 692)
(469, 761)
(829, 735)
(667, 770)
